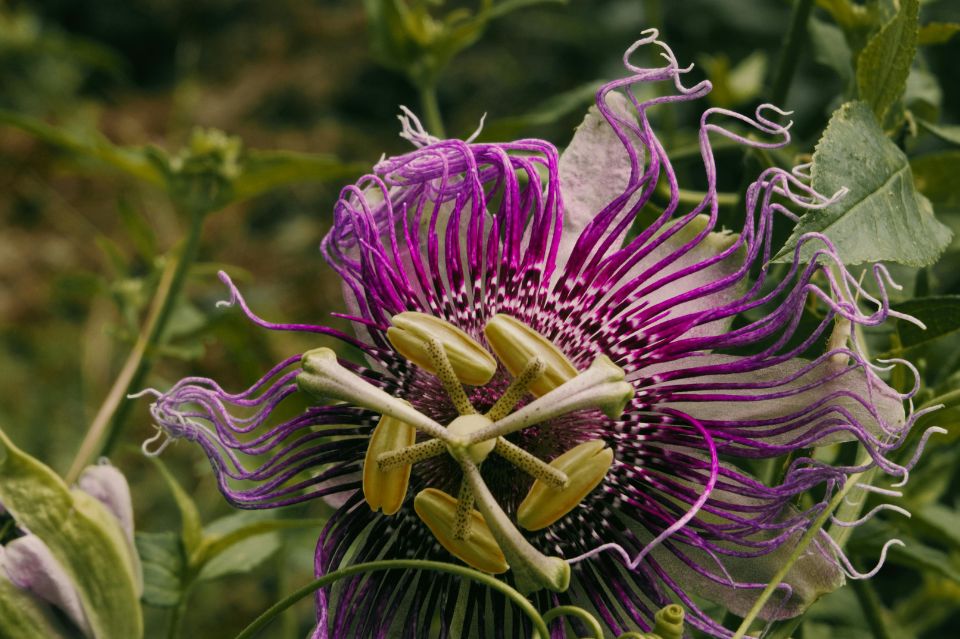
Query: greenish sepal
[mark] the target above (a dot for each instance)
(82, 535)
(25, 616)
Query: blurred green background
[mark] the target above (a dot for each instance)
(82, 245)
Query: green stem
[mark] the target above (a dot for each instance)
(946, 399)
(102, 435)
(800, 548)
(431, 110)
(574, 611)
(519, 600)
(873, 610)
(176, 616)
(790, 52)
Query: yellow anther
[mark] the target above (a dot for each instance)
(386, 489)
(585, 466)
(438, 510)
(410, 332)
(464, 426)
(516, 344)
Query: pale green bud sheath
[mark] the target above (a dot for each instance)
(411, 332)
(324, 377)
(516, 344)
(601, 386)
(533, 570)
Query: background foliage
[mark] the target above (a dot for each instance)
(137, 131)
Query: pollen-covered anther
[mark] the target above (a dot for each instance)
(585, 465)
(516, 344)
(438, 510)
(410, 336)
(386, 489)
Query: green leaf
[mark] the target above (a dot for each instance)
(241, 557)
(163, 568)
(937, 32)
(923, 96)
(946, 132)
(882, 217)
(224, 533)
(83, 536)
(938, 522)
(884, 64)
(924, 559)
(266, 170)
(91, 144)
(24, 616)
(940, 314)
(935, 175)
(830, 48)
(191, 528)
(548, 112)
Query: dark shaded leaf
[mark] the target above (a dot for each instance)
(940, 314)
(163, 567)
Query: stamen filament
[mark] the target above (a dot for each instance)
(410, 454)
(461, 525)
(324, 377)
(447, 376)
(517, 389)
(530, 464)
(600, 386)
(531, 568)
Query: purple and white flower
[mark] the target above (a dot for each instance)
(568, 369)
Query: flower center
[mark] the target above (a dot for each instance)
(485, 537)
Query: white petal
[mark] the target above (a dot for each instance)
(814, 387)
(594, 170)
